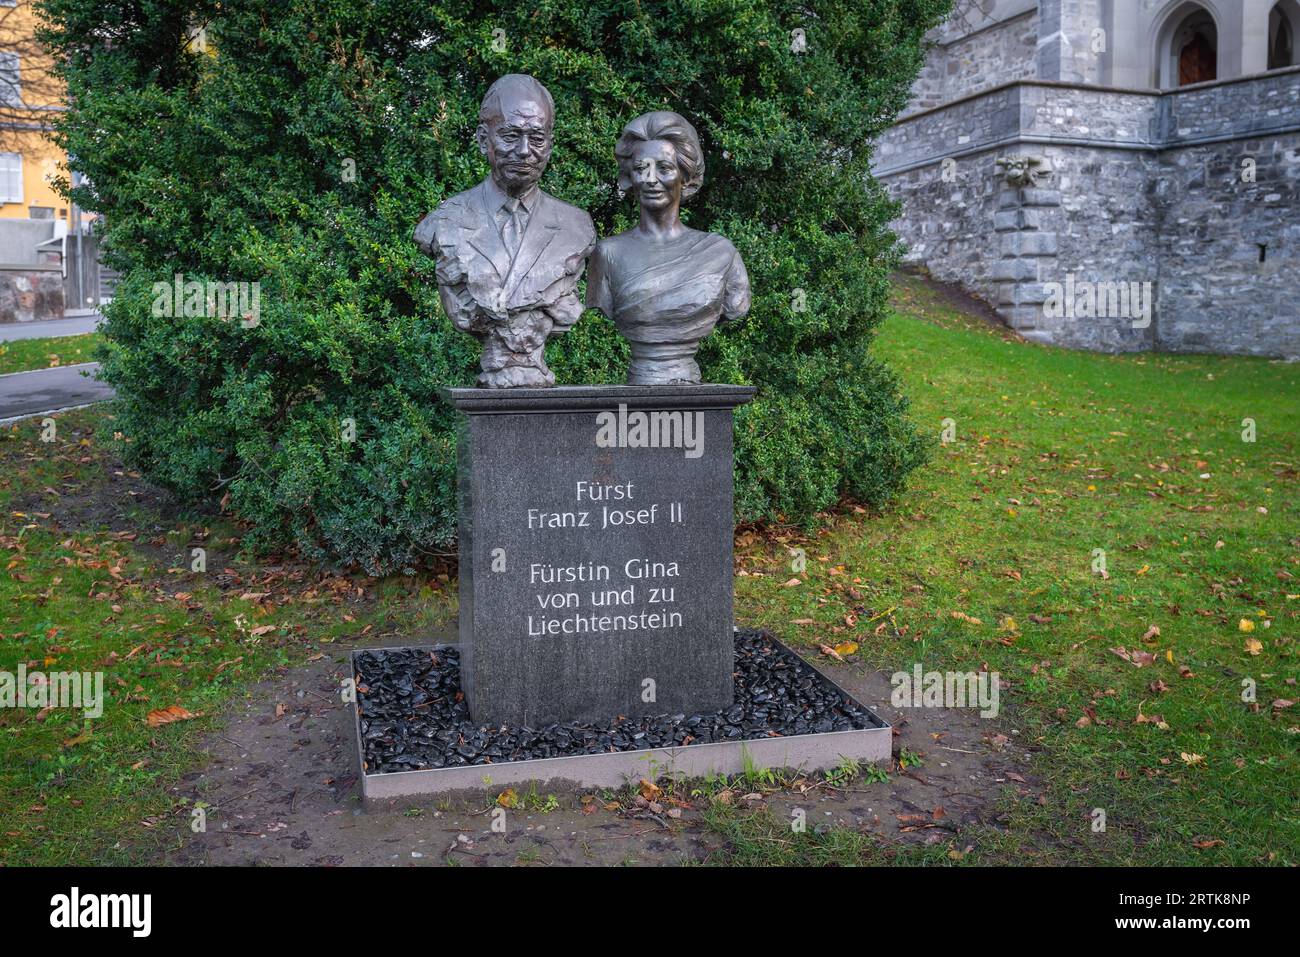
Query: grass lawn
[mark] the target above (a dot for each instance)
(119, 595)
(1056, 455)
(24, 354)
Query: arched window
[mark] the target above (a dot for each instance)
(1198, 60)
(1196, 44)
(1188, 47)
(1281, 38)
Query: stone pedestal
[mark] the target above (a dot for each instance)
(595, 550)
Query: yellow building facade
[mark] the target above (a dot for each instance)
(30, 95)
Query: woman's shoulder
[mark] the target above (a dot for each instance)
(609, 248)
(713, 242)
(621, 244)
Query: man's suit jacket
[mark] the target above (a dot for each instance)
(477, 278)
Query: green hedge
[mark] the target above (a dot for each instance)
(236, 164)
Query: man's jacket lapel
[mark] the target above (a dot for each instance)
(543, 226)
(483, 234)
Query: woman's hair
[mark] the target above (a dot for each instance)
(663, 125)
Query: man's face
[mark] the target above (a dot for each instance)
(518, 144)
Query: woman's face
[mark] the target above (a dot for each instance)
(656, 177)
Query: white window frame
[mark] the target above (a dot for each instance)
(11, 177)
(11, 93)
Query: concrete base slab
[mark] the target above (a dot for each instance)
(806, 752)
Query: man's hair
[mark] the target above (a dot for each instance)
(663, 125)
(517, 84)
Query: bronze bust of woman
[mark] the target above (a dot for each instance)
(664, 285)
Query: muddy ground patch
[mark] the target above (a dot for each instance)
(282, 788)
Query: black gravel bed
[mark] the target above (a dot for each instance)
(414, 718)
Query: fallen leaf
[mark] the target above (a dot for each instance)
(1157, 719)
(168, 715)
(913, 818)
(1137, 658)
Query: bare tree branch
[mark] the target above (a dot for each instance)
(30, 93)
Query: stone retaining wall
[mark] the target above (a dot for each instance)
(30, 293)
(1195, 191)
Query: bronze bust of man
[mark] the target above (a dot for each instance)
(509, 256)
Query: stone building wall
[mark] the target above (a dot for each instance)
(960, 66)
(1229, 249)
(956, 243)
(1137, 186)
(996, 56)
(1068, 48)
(30, 293)
(1097, 225)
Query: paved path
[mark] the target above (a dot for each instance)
(46, 390)
(71, 326)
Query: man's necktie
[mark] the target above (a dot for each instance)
(512, 230)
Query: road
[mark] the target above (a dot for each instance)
(46, 390)
(71, 326)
